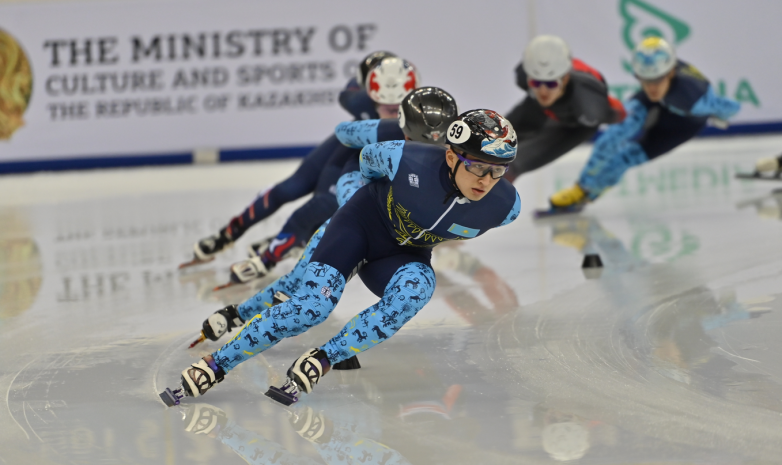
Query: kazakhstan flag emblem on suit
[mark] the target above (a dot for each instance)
(463, 231)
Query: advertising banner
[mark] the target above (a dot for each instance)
(123, 80)
(160, 77)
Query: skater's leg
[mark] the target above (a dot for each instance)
(301, 183)
(288, 284)
(610, 158)
(553, 141)
(604, 169)
(344, 244)
(411, 286)
(310, 306)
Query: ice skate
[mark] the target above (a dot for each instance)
(196, 380)
(205, 250)
(219, 323)
(303, 375)
(765, 168)
(569, 200)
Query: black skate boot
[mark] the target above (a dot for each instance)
(303, 375)
(219, 323)
(204, 251)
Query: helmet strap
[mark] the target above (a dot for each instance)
(452, 176)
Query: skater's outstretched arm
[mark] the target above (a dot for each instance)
(357, 134)
(711, 104)
(382, 159)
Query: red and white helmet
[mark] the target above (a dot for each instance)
(391, 80)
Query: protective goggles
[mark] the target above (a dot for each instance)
(481, 168)
(550, 84)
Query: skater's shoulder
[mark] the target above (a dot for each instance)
(687, 86)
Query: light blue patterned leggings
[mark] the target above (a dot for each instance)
(315, 289)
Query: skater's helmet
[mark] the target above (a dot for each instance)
(391, 80)
(426, 113)
(368, 63)
(484, 134)
(547, 58)
(653, 58)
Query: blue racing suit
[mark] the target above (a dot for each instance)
(652, 129)
(306, 219)
(315, 175)
(390, 225)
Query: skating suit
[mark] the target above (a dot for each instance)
(653, 129)
(546, 134)
(390, 226)
(317, 174)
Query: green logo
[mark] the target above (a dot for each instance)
(642, 20)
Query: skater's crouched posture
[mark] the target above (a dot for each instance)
(675, 103)
(417, 196)
(566, 102)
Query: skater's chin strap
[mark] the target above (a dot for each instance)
(452, 177)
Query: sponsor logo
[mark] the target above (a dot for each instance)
(413, 179)
(16, 85)
(326, 291)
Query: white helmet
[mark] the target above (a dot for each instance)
(391, 80)
(547, 58)
(653, 58)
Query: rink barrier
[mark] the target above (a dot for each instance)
(183, 158)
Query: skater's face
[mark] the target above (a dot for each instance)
(388, 111)
(471, 186)
(656, 90)
(548, 92)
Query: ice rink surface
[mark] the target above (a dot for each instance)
(673, 355)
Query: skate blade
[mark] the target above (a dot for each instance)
(278, 395)
(200, 339)
(194, 262)
(349, 364)
(551, 213)
(169, 398)
(227, 285)
(759, 177)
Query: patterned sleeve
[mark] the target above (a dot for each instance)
(629, 128)
(711, 104)
(514, 212)
(382, 159)
(347, 185)
(357, 134)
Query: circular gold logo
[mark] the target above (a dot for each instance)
(16, 85)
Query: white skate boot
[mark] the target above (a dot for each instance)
(201, 376)
(303, 375)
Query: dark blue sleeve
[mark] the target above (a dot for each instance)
(355, 101)
(687, 87)
(389, 129)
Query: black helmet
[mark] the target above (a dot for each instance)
(484, 134)
(426, 113)
(368, 63)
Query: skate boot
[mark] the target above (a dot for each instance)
(313, 426)
(201, 376)
(204, 251)
(569, 200)
(195, 381)
(772, 166)
(221, 322)
(303, 375)
(204, 419)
